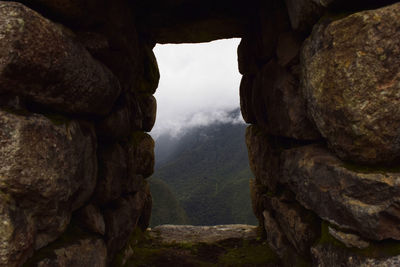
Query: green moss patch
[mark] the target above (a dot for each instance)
(249, 255)
(149, 251)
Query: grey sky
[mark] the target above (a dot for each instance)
(199, 82)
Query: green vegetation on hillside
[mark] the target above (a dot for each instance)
(208, 173)
(166, 208)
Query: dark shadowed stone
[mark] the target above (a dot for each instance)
(350, 240)
(67, 9)
(300, 227)
(47, 169)
(125, 118)
(134, 183)
(141, 155)
(351, 79)
(121, 219)
(263, 157)
(113, 171)
(144, 219)
(40, 61)
(148, 106)
(303, 13)
(94, 42)
(150, 75)
(257, 194)
(198, 31)
(278, 104)
(78, 252)
(247, 55)
(92, 219)
(258, 45)
(327, 255)
(246, 98)
(123, 57)
(275, 237)
(288, 48)
(363, 200)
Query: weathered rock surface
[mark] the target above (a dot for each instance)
(81, 252)
(275, 236)
(365, 202)
(113, 171)
(141, 155)
(300, 227)
(41, 62)
(351, 79)
(121, 219)
(202, 234)
(328, 255)
(16, 234)
(349, 239)
(125, 117)
(263, 156)
(92, 219)
(47, 170)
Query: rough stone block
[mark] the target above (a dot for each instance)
(41, 62)
(48, 168)
(363, 200)
(351, 79)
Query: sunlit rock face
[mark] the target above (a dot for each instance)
(351, 79)
(320, 88)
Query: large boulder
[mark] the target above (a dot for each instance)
(48, 168)
(351, 78)
(351, 197)
(42, 62)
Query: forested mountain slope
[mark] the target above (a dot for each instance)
(207, 171)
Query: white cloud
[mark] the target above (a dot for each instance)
(199, 82)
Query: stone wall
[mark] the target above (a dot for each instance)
(320, 90)
(76, 86)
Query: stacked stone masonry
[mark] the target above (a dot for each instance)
(320, 88)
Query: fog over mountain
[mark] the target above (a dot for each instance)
(199, 85)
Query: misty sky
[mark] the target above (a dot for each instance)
(199, 83)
